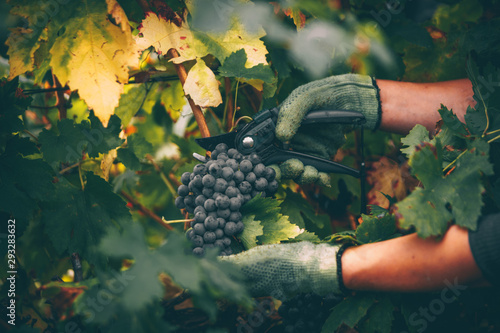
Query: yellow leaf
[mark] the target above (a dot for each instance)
(22, 46)
(164, 35)
(202, 85)
(92, 56)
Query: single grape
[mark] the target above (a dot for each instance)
(259, 170)
(214, 154)
(221, 222)
(224, 213)
(230, 228)
(216, 195)
(200, 217)
(227, 173)
(207, 192)
(208, 181)
(199, 169)
(200, 200)
(238, 157)
(238, 177)
(254, 158)
(179, 202)
(212, 214)
(196, 191)
(211, 223)
(219, 233)
(245, 187)
(197, 240)
(189, 200)
(199, 209)
(239, 227)
(215, 170)
(222, 201)
(269, 174)
(183, 190)
(261, 184)
(251, 177)
(246, 166)
(272, 187)
(209, 205)
(231, 152)
(220, 244)
(235, 217)
(208, 164)
(192, 223)
(231, 183)
(198, 251)
(232, 163)
(227, 241)
(190, 234)
(221, 147)
(235, 204)
(223, 157)
(246, 198)
(220, 185)
(209, 237)
(197, 181)
(199, 229)
(232, 191)
(185, 178)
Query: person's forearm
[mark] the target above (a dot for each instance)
(405, 104)
(410, 263)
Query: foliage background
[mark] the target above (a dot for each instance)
(91, 187)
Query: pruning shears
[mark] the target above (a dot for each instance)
(258, 136)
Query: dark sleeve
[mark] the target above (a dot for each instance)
(485, 247)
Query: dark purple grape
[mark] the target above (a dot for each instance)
(259, 170)
(269, 174)
(211, 223)
(227, 173)
(208, 164)
(251, 177)
(189, 200)
(199, 209)
(239, 227)
(216, 195)
(209, 237)
(219, 233)
(261, 184)
(185, 178)
(246, 198)
(227, 241)
(220, 244)
(221, 222)
(209, 205)
(199, 169)
(238, 177)
(214, 154)
(231, 152)
(208, 181)
(208, 246)
(222, 157)
(198, 251)
(197, 181)
(230, 229)
(220, 185)
(232, 191)
(215, 170)
(246, 166)
(190, 234)
(272, 187)
(256, 193)
(222, 201)
(199, 229)
(212, 214)
(197, 241)
(183, 190)
(179, 202)
(200, 217)
(207, 192)
(200, 200)
(245, 187)
(232, 163)
(221, 147)
(231, 183)
(235, 204)
(238, 157)
(224, 213)
(235, 217)
(254, 158)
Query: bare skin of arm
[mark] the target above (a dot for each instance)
(405, 104)
(410, 263)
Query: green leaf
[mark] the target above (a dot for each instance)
(76, 220)
(417, 135)
(276, 227)
(128, 158)
(452, 122)
(349, 312)
(253, 229)
(379, 318)
(130, 102)
(102, 139)
(234, 66)
(457, 196)
(12, 105)
(306, 236)
(303, 214)
(375, 229)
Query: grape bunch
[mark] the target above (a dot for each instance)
(214, 193)
(306, 312)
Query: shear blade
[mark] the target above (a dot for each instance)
(211, 142)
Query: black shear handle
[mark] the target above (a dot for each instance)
(280, 155)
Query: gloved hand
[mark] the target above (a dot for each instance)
(283, 270)
(342, 92)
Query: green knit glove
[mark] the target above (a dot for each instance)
(284, 270)
(342, 92)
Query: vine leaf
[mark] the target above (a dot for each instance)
(202, 85)
(442, 198)
(92, 55)
(375, 229)
(137, 148)
(130, 102)
(234, 66)
(417, 135)
(379, 317)
(253, 229)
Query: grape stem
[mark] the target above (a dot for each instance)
(162, 175)
(176, 221)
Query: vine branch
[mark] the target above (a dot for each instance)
(60, 100)
(137, 205)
